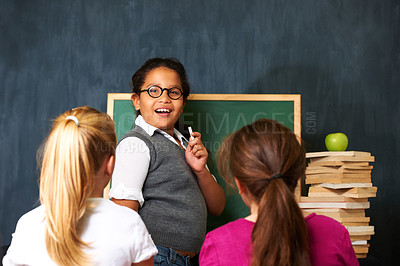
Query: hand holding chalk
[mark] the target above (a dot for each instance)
(190, 132)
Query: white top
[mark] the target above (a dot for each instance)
(118, 236)
(132, 162)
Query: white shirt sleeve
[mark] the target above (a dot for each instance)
(132, 162)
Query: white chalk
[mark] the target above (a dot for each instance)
(190, 132)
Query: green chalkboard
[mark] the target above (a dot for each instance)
(215, 116)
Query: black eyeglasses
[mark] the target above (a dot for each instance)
(156, 91)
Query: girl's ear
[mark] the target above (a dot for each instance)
(136, 101)
(242, 188)
(243, 193)
(110, 163)
(184, 102)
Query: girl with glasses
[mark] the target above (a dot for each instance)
(159, 172)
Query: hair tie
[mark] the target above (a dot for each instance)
(73, 118)
(276, 176)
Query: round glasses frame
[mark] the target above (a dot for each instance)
(156, 91)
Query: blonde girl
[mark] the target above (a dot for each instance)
(73, 224)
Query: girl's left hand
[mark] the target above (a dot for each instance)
(196, 154)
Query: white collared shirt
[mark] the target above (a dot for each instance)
(132, 163)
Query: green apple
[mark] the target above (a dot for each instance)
(336, 142)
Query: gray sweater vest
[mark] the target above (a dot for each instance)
(174, 208)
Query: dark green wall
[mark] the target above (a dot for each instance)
(343, 57)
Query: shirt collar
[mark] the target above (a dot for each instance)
(181, 138)
(145, 126)
(139, 121)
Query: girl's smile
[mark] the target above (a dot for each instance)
(161, 112)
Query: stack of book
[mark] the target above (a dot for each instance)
(340, 185)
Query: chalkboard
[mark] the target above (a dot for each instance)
(215, 116)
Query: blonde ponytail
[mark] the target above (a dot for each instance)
(71, 157)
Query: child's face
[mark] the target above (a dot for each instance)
(162, 112)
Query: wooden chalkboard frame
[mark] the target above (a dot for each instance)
(295, 98)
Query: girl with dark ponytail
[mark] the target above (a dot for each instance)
(265, 160)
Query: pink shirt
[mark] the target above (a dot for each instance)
(231, 244)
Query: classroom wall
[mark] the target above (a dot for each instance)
(343, 57)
